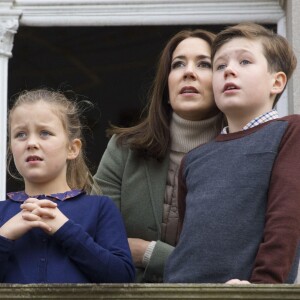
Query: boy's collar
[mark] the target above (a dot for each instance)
(268, 116)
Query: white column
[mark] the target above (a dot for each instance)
(282, 105)
(8, 27)
(293, 30)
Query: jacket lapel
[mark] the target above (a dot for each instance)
(156, 173)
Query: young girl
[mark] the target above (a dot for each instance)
(53, 232)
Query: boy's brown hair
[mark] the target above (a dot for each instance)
(279, 54)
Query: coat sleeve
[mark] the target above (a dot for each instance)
(278, 250)
(155, 270)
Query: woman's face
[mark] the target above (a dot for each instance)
(190, 80)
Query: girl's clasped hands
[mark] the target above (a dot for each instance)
(34, 213)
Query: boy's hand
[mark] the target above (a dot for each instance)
(46, 211)
(237, 281)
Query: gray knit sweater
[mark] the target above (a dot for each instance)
(239, 196)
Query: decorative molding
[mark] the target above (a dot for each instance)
(6, 3)
(8, 28)
(293, 35)
(9, 23)
(282, 3)
(149, 291)
(144, 12)
(282, 104)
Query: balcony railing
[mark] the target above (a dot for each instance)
(149, 291)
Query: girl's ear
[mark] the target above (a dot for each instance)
(74, 149)
(279, 82)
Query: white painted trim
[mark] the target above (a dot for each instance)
(145, 12)
(3, 122)
(282, 104)
(8, 28)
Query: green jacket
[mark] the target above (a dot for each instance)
(137, 186)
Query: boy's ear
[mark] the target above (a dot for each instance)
(279, 82)
(74, 149)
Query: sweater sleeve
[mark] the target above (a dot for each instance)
(104, 258)
(279, 246)
(6, 246)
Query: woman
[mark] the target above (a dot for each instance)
(140, 165)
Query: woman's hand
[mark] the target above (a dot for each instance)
(138, 248)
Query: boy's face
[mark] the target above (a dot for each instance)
(242, 83)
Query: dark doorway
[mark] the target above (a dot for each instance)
(111, 66)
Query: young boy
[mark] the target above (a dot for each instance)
(239, 195)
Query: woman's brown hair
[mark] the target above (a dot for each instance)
(151, 137)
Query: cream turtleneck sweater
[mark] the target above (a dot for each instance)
(186, 135)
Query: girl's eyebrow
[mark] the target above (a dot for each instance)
(18, 127)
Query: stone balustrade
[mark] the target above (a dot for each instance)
(149, 291)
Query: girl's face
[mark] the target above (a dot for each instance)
(40, 147)
(190, 80)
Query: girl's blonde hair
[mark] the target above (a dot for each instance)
(78, 174)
